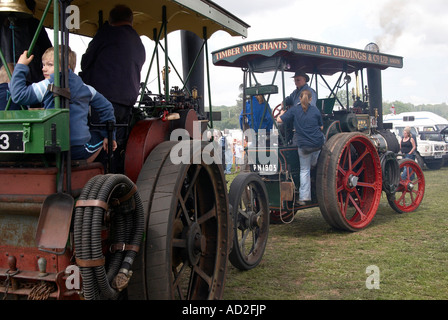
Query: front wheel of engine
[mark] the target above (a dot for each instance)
(250, 211)
(411, 189)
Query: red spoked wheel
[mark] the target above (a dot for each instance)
(411, 189)
(350, 181)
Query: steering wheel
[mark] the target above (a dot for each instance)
(276, 111)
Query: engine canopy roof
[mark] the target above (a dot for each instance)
(302, 55)
(191, 15)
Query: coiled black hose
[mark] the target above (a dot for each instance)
(126, 227)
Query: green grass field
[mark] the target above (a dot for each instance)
(309, 260)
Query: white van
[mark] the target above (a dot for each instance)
(422, 120)
(431, 148)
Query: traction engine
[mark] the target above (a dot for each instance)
(159, 230)
(358, 161)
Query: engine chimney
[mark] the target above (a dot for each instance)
(191, 45)
(375, 88)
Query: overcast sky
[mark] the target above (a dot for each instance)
(416, 30)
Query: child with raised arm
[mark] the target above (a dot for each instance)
(85, 145)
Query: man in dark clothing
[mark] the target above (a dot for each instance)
(112, 65)
(301, 80)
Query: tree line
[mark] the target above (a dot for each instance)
(230, 114)
(440, 109)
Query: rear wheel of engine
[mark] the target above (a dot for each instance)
(350, 180)
(411, 189)
(250, 211)
(188, 228)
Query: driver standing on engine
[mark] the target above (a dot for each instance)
(301, 80)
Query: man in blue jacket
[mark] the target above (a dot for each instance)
(301, 80)
(258, 107)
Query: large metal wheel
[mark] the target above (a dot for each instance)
(411, 189)
(187, 243)
(349, 181)
(322, 177)
(250, 211)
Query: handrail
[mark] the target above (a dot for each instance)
(57, 80)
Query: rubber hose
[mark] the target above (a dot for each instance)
(90, 229)
(107, 292)
(89, 247)
(119, 237)
(133, 224)
(107, 191)
(138, 229)
(121, 234)
(82, 236)
(127, 224)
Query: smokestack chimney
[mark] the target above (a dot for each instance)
(375, 87)
(191, 45)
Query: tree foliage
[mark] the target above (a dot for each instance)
(230, 115)
(440, 109)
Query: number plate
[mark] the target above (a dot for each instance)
(264, 168)
(438, 156)
(11, 141)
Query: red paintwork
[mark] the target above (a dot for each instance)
(144, 137)
(22, 193)
(42, 181)
(23, 190)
